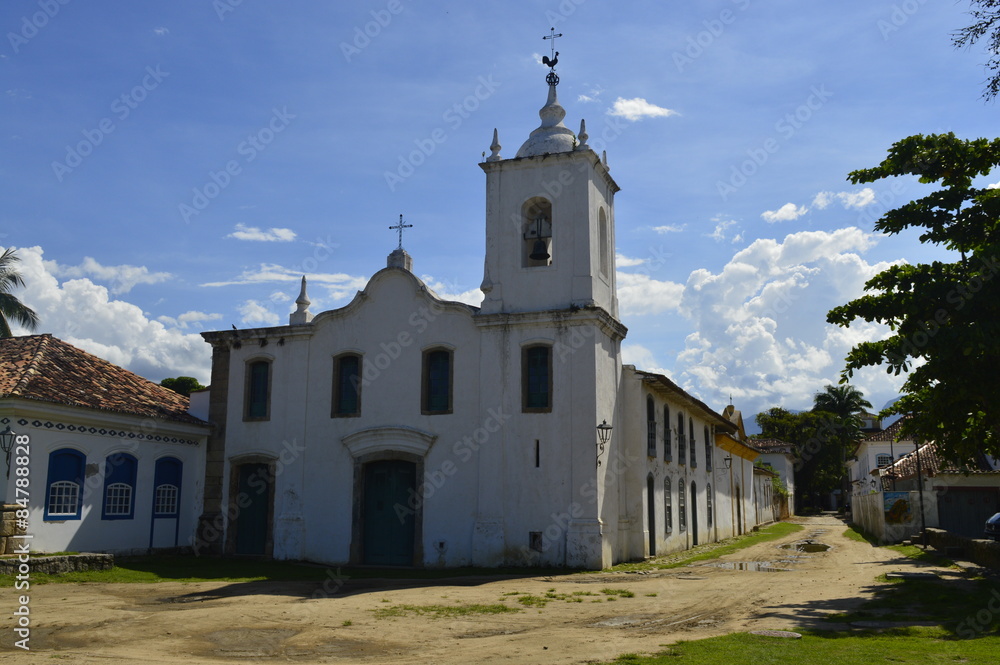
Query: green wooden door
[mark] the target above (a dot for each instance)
(388, 516)
(251, 523)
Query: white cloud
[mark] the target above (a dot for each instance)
(161, 31)
(850, 200)
(721, 226)
(638, 108)
(187, 318)
(995, 185)
(594, 95)
(338, 285)
(81, 313)
(121, 278)
(642, 358)
(623, 261)
(253, 312)
(452, 291)
(669, 228)
(761, 331)
(785, 213)
(641, 294)
(254, 233)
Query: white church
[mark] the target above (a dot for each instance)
(402, 429)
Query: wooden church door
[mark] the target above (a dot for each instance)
(388, 518)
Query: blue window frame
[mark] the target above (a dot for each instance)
(167, 487)
(64, 489)
(119, 487)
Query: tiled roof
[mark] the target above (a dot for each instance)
(47, 369)
(931, 464)
(771, 445)
(890, 433)
(664, 383)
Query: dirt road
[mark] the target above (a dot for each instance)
(283, 622)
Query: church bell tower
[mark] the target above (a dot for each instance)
(549, 219)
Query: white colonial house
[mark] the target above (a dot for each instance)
(402, 429)
(115, 463)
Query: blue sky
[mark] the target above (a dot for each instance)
(173, 167)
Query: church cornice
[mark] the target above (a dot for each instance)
(533, 161)
(591, 314)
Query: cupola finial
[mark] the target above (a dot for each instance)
(552, 78)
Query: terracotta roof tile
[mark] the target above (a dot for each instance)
(931, 464)
(771, 445)
(890, 433)
(47, 369)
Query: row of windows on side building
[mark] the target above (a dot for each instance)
(682, 440)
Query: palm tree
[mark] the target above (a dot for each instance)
(844, 402)
(12, 309)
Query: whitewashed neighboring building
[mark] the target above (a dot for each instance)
(115, 462)
(877, 449)
(402, 429)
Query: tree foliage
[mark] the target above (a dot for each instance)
(184, 385)
(986, 27)
(11, 308)
(944, 316)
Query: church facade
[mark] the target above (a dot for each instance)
(403, 429)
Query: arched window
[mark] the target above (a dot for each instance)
(708, 450)
(537, 233)
(682, 518)
(650, 427)
(536, 378)
(694, 448)
(257, 394)
(347, 385)
(667, 443)
(708, 504)
(65, 484)
(436, 393)
(602, 242)
(119, 487)
(167, 487)
(681, 441)
(668, 511)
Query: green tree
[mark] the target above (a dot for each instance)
(184, 385)
(11, 308)
(944, 316)
(986, 26)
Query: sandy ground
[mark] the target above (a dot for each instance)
(283, 622)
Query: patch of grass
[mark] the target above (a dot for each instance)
(533, 601)
(713, 550)
(922, 555)
(441, 611)
(855, 532)
(913, 645)
(347, 622)
(620, 593)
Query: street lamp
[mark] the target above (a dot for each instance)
(7, 444)
(603, 436)
(728, 461)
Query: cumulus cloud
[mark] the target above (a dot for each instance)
(256, 234)
(638, 108)
(187, 318)
(785, 213)
(722, 225)
(252, 312)
(121, 278)
(669, 228)
(82, 313)
(623, 261)
(642, 358)
(452, 291)
(850, 200)
(337, 285)
(641, 294)
(759, 324)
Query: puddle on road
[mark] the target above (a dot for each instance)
(755, 566)
(810, 546)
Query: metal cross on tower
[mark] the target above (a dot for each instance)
(399, 227)
(552, 78)
(552, 35)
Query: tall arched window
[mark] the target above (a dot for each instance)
(708, 450)
(708, 502)
(667, 443)
(682, 518)
(602, 242)
(536, 223)
(436, 393)
(681, 441)
(347, 381)
(650, 427)
(694, 448)
(536, 379)
(167, 487)
(668, 510)
(65, 484)
(119, 487)
(258, 390)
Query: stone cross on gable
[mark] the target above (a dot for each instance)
(399, 227)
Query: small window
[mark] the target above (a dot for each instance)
(119, 486)
(347, 385)
(883, 460)
(682, 518)
(603, 241)
(258, 390)
(536, 223)
(694, 449)
(708, 502)
(65, 480)
(681, 441)
(536, 366)
(708, 450)
(650, 427)
(667, 443)
(167, 483)
(668, 510)
(437, 381)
